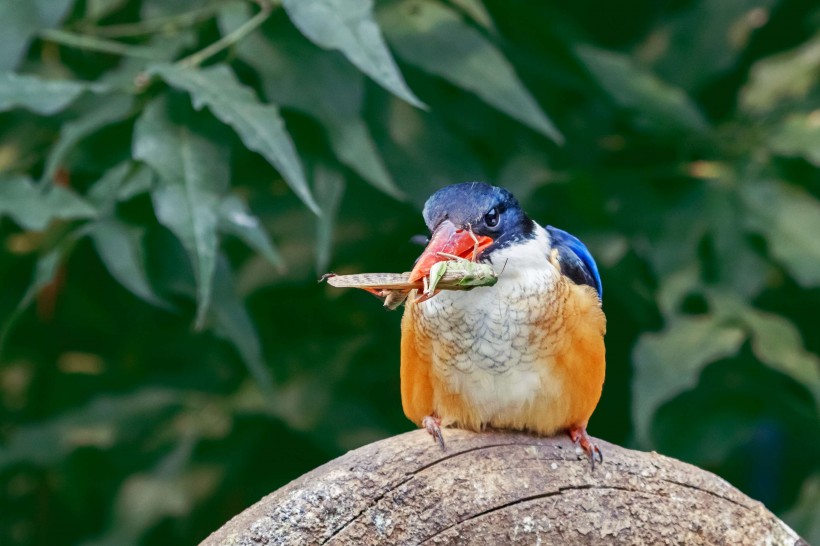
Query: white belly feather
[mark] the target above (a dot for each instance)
(494, 345)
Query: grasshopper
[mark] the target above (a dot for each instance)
(472, 274)
(454, 273)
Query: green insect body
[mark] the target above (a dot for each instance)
(471, 274)
(453, 273)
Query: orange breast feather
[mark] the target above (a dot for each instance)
(416, 364)
(572, 375)
(582, 360)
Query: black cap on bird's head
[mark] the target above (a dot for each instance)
(467, 218)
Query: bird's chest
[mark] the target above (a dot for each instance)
(495, 346)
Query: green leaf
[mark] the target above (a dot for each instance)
(92, 43)
(236, 219)
(433, 37)
(103, 193)
(34, 208)
(120, 248)
(675, 287)
(142, 502)
(669, 362)
(100, 423)
(789, 219)
(39, 95)
(297, 74)
(119, 183)
(355, 147)
(798, 136)
(657, 104)
(784, 77)
(193, 176)
(348, 25)
(803, 515)
(259, 125)
(232, 322)
(169, 491)
(44, 272)
(676, 237)
(330, 186)
(775, 342)
(160, 48)
(140, 180)
(158, 9)
(740, 269)
(120, 245)
(188, 210)
(97, 9)
(525, 171)
(98, 115)
(476, 11)
(424, 154)
(705, 39)
(20, 20)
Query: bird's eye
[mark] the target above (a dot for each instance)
(492, 217)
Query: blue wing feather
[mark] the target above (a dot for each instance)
(575, 259)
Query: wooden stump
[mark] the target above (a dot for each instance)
(501, 488)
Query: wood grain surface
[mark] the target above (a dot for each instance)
(503, 488)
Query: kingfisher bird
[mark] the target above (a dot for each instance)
(525, 354)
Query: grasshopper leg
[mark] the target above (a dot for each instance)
(475, 241)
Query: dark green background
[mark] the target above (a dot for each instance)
(137, 407)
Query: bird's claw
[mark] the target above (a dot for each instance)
(433, 426)
(580, 438)
(596, 453)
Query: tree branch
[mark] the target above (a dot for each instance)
(167, 23)
(235, 36)
(501, 488)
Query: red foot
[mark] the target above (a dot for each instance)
(433, 426)
(580, 437)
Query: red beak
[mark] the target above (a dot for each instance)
(448, 240)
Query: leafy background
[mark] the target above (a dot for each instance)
(176, 175)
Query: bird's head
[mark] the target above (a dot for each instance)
(469, 217)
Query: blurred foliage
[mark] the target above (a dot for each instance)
(176, 176)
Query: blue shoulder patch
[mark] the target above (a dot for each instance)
(575, 259)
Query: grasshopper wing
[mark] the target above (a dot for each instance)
(374, 281)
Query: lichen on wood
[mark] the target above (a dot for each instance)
(500, 488)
